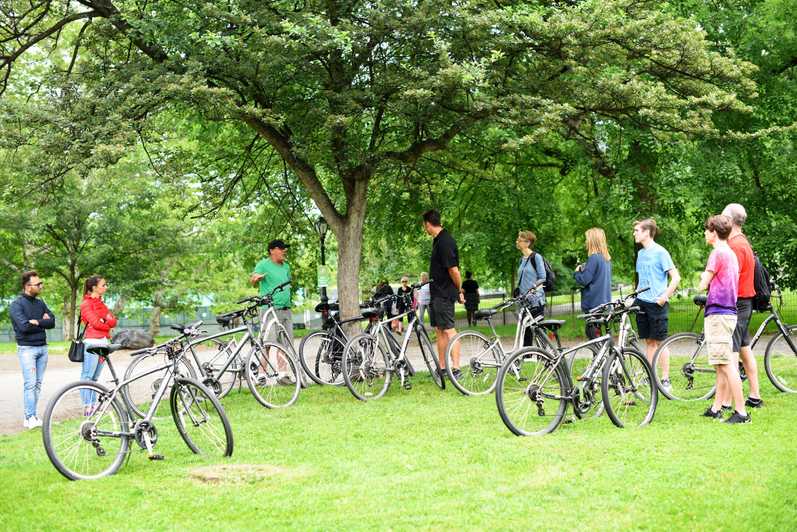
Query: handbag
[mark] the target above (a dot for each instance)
(77, 348)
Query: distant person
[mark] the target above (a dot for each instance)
(403, 303)
(721, 278)
(471, 290)
(99, 323)
(653, 266)
(423, 297)
(595, 276)
(744, 305)
(446, 287)
(30, 319)
(384, 289)
(531, 270)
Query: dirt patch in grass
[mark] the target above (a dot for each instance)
(242, 473)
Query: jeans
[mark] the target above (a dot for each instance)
(421, 311)
(33, 360)
(92, 367)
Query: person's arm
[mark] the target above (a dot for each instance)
(539, 266)
(48, 320)
(257, 275)
(675, 279)
(705, 280)
(95, 321)
(456, 278)
(587, 274)
(21, 321)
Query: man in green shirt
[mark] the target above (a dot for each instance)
(269, 273)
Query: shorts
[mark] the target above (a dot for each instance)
(285, 317)
(741, 335)
(719, 338)
(441, 313)
(652, 320)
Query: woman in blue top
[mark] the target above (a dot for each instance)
(530, 270)
(595, 276)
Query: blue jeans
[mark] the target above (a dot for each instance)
(33, 360)
(92, 367)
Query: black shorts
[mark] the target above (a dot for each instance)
(441, 313)
(741, 335)
(652, 321)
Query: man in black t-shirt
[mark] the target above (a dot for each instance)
(446, 286)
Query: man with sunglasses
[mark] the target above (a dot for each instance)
(30, 318)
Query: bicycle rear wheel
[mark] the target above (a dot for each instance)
(589, 396)
(85, 442)
(320, 354)
(430, 358)
(272, 376)
(530, 392)
(479, 362)
(780, 361)
(692, 378)
(629, 391)
(365, 368)
(200, 419)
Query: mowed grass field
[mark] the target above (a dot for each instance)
(432, 460)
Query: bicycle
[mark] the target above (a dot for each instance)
(620, 378)
(90, 442)
(695, 379)
(321, 352)
(370, 359)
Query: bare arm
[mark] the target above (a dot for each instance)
(705, 280)
(675, 279)
(456, 277)
(255, 278)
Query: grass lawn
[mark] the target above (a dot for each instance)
(431, 459)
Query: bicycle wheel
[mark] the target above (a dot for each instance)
(320, 354)
(692, 378)
(200, 419)
(479, 362)
(138, 394)
(85, 443)
(629, 391)
(530, 392)
(212, 364)
(589, 391)
(272, 376)
(430, 358)
(780, 361)
(365, 368)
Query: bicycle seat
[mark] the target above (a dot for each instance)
(104, 350)
(552, 325)
(321, 307)
(700, 301)
(370, 312)
(486, 313)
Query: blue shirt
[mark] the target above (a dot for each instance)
(596, 278)
(652, 265)
(529, 272)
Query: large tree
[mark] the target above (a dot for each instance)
(345, 91)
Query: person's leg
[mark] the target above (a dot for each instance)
(450, 333)
(442, 344)
(422, 313)
(751, 369)
(89, 368)
(734, 383)
(41, 366)
(25, 354)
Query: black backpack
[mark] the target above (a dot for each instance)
(763, 286)
(550, 277)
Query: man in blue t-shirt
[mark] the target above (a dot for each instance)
(653, 266)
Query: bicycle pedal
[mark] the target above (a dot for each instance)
(158, 457)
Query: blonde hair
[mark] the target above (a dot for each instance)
(528, 236)
(596, 242)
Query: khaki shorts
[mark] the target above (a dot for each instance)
(719, 338)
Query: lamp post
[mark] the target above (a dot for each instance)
(322, 227)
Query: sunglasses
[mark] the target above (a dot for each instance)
(40, 283)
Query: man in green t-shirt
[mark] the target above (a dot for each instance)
(269, 273)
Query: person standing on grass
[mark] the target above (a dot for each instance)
(744, 305)
(30, 319)
(446, 287)
(721, 278)
(403, 303)
(99, 323)
(595, 276)
(653, 265)
(531, 270)
(423, 297)
(471, 290)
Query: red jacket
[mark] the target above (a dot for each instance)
(98, 318)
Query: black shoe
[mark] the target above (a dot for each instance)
(710, 413)
(727, 408)
(457, 374)
(754, 403)
(736, 417)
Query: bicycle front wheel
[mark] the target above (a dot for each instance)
(320, 354)
(365, 368)
(780, 361)
(479, 362)
(530, 392)
(430, 358)
(684, 358)
(84, 431)
(630, 395)
(200, 419)
(272, 376)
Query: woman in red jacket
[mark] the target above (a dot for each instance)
(99, 322)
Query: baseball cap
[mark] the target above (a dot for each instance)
(277, 244)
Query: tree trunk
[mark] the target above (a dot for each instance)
(350, 243)
(155, 316)
(70, 312)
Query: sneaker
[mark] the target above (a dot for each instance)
(727, 408)
(754, 403)
(714, 415)
(736, 417)
(36, 422)
(29, 423)
(666, 384)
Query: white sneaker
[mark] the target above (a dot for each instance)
(36, 422)
(30, 422)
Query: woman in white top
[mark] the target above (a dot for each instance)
(423, 297)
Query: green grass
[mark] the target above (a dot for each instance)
(432, 459)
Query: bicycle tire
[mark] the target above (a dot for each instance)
(430, 358)
(690, 348)
(366, 368)
(265, 379)
(320, 359)
(133, 404)
(210, 364)
(780, 362)
(577, 364)
(626, 371)
(479, 375)
(189, 400)
(513, 395)
(69, 419)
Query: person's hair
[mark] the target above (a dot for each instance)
(468, 275)
(27, 276)
(405, 279)
(736, 213)
(432, 217)
(529, 236)
(596, 242)
(91, 282)
(424, 276)
(720, 224)
(649, 225)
